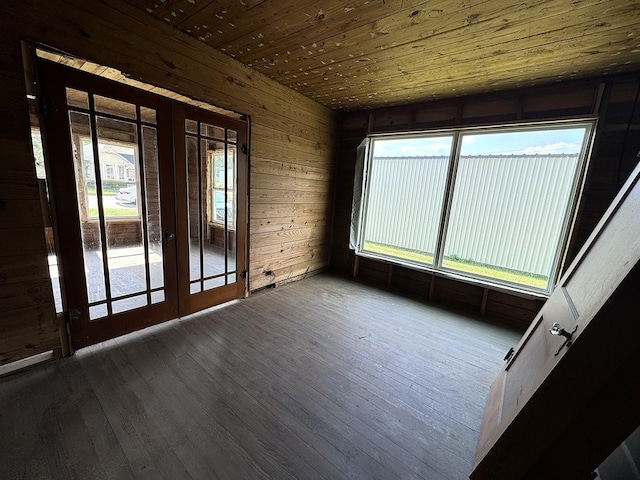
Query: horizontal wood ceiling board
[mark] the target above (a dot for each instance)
(484, 69)
(485, 46)
(503, 72)
(274, 20)
(448, 30)
(406, 28)
(240, 91)
(341, 53)
(306, 36)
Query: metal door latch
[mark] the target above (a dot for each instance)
(556, 329)
(509, 354)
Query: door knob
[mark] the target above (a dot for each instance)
(169, 236)
(556, 329)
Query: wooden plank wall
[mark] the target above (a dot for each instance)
(615, 153)
(292, 150)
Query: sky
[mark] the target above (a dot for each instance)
(566, 140)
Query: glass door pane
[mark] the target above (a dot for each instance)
(117, 180)
(210, 161)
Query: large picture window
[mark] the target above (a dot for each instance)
(492, 204)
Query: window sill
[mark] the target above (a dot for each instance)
(499, 287)
(112, 219)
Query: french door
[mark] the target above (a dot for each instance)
(150, 203)
(211, 185)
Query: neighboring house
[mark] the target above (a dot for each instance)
(117, 163)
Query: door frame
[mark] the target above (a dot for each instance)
(57, 142)
(190, 303)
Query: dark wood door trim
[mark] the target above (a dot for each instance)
(58, 143)
(190, 303)
(171, 114)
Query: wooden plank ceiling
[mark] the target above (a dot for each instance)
(358, 54)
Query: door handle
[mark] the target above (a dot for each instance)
(169, 236)
(556, 329)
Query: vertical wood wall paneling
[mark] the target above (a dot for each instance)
(615, 153)
(292, 148)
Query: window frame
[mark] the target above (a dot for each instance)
(569, 217)
(86, 139)
(227, 188)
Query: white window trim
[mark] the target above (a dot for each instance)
(437, 269)
(136, 170)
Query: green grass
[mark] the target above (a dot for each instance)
(114, 212)
(108, 188)
(461, 265)
(106, 192)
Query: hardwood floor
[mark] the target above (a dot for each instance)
(318, 379)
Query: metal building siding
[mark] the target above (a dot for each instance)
(406, 194)
(532, 190)
(405, 197)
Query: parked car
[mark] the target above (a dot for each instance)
(127, 194)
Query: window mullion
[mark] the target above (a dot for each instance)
(448, 198)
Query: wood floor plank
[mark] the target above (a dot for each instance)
(195, 435)
(322, 378)
(357, 360)
(239, 415)
(138, 430)
(263, 415)
(353, 405)
(315, 408)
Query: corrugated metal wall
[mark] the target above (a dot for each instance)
(498, 205)
(405, 201)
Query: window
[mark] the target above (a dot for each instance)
(221, 209)
(492, 204)
(108, 169)
(117, 162)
